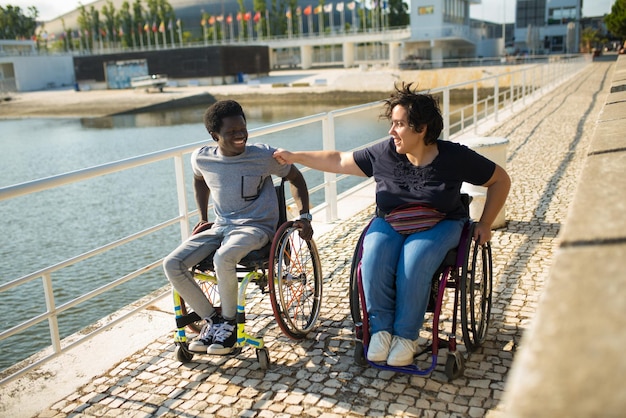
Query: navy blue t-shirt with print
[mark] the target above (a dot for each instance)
(437, 185)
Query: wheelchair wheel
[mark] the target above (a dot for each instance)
(209, 288)
(476, 287)
(295, 282)
(455, 365)
(355, 303)
(182, 353)
(263, 356)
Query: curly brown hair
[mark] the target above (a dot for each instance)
(422, 108)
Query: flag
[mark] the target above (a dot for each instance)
(288, 14)
(239, 17)
(169, 25)
(220, 18)
(351, 5)
(178, 23)
(328, 8)
(339, 7)
(298, 10)
(162, 27)
(307, 10)
(202, 22)
(247, 16)
(154, 26)
(229, 19)
(257, 17)
(212, 20)
(121, 31)
(318, 9)
(146, 27)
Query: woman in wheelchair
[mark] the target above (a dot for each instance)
(419, 214)
(238, 176)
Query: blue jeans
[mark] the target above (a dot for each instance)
(397, 272)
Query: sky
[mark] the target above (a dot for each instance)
(490, 10)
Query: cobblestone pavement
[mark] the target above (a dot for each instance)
(318, 377)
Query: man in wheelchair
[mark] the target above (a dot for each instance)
(238, 176)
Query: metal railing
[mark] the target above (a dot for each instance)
(504, 92)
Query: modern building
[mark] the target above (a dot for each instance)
(441, 30)
(21, 68)
(547, 26)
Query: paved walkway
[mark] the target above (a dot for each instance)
(317, 377)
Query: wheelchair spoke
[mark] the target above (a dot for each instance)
(296, 285)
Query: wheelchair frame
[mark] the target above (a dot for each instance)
(467, 270)
(289, 266)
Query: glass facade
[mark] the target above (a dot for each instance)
(530, 12)
(456, 11)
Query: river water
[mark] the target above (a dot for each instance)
(49, 227)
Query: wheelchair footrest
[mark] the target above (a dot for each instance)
(183, 321)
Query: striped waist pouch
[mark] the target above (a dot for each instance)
(410, 218)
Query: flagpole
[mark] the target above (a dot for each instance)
(343, 19)
(172, 39)
(289, 25)
(148, 36)
(180, 32)
(300, 26)
(156, 37)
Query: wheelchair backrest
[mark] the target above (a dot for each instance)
(466, 199)
(282, 205)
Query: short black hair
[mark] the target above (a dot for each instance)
(422, 109)
(219, 110)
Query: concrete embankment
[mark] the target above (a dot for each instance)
(343, 87)
(571, 361)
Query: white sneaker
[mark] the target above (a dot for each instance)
(378, 349)
(402, 351)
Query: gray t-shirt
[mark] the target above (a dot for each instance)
(241, 186)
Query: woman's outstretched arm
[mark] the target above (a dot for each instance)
(329, 161)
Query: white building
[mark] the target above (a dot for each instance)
(441, 30)
(23, 69)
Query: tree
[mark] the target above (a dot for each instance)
(616, 20)
(398, 13)
(589, 37)
(15, 24)
(110, 22)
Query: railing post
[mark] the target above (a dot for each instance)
(524, 87)
(512, 90)
(330, 179)
(496, 99)
(475, 104)
(446, 114)
(183, 210)
(53, 321)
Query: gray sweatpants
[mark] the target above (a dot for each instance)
(232, 244)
